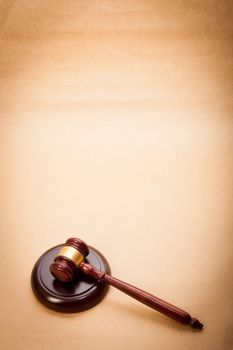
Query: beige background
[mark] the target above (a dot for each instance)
(116, 125)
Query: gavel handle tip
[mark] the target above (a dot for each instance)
(196, 324)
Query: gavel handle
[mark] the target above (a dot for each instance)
(142, 296)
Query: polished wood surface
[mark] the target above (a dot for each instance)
(81, 294)
(144, 297)
(65, 270)
(116, 125)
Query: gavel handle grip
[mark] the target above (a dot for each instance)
(142, 296)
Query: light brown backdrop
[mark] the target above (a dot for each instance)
(116, 126)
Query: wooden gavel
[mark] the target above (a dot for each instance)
(71, 257)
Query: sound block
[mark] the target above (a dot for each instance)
(79, 295)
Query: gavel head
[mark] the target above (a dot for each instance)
(66, 263)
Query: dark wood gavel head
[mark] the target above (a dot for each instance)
(66, 263)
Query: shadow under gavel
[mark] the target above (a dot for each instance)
(72, 257)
